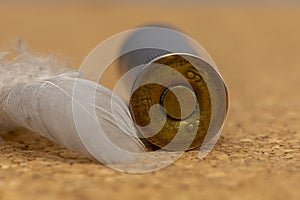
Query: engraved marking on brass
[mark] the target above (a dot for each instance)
(191, 74)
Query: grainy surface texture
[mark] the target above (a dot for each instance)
(257, 50)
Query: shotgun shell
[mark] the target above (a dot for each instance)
(190, 92)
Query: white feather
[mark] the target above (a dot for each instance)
(74, 112)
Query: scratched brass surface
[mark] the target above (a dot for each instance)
(190, 130)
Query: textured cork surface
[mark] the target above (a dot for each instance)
(257, 50)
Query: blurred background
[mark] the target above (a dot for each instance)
(251, 41)
(255, 45)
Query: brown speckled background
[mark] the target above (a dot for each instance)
(257, 49)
